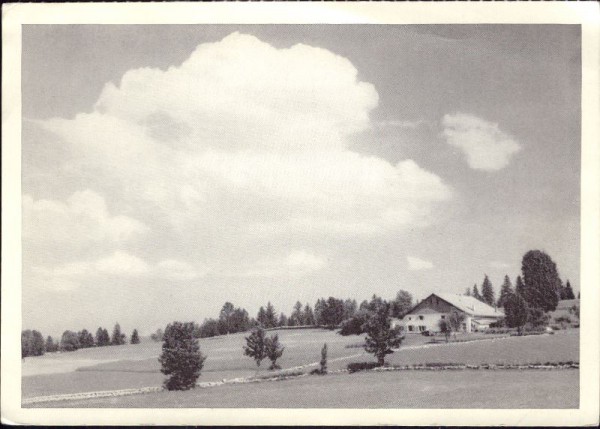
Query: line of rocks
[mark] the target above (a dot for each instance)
(143, 390)
(90, 395)
(551, 366)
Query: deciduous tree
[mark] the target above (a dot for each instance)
(381, 337)
(445, 328)
(69, 341)
(541, 280)
(402, 304)
(255, 345)
(456, 320)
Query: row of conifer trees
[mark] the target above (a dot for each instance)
(33, 343)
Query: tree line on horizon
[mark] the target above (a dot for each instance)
(33, 343)
(329, 313)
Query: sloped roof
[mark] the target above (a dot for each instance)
(470, 305)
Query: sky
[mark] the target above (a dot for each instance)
(167, 169)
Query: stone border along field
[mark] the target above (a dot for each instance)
(292, 373)
(283, 376)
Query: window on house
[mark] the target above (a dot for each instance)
(410, 328)
(443, 316)
(421, 317)
(421, 328)
(410, 318)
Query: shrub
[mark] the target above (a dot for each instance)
(181, 358)
(354, 325)
(536, 318)
(362, 366)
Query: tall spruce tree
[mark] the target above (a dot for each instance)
(117, 337)
(135, 338)
(519, 286)
(297, 316)
(569, 291)
(476, 293)
(468, 292)
(308, 315)
(51, 346)
(270, 316)
(506, 290)
(541, 280)
(261, 317)
(487, 291)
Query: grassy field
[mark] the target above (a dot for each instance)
(409, 389)
(130, 366)
(108, 368)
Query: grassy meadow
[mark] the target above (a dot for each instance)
(131, 366)
(402, 389)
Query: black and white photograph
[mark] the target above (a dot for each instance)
(308, 216)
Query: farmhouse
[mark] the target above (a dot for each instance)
(426, 315)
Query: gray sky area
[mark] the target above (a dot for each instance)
(168, 169)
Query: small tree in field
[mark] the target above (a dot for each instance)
(381, 337)
(323, 363)
(445, 328)
(135, 338)
(273, 350)
(181, 358)
(456, 321)
(255, 345)
(516, 312)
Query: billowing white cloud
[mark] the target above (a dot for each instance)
(84, 217)
(416, 264)
(485, 145)
(247, 131)
(241, 143)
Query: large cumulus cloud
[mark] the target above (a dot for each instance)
(247, 136)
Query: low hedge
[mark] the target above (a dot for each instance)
(361, 366)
